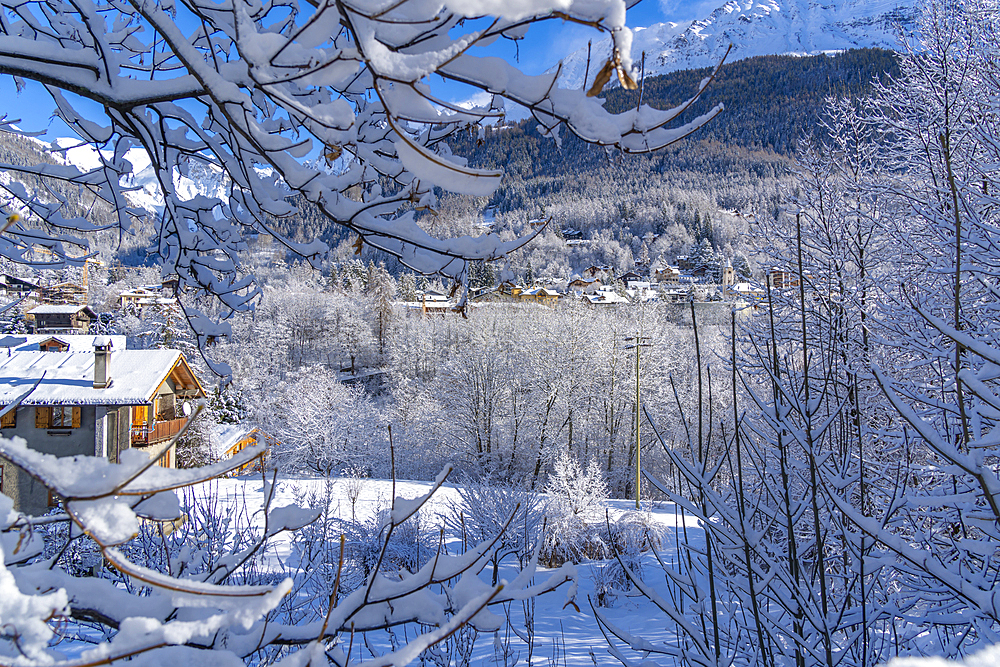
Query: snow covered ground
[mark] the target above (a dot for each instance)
(563, 635)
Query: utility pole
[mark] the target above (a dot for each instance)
(637, 342)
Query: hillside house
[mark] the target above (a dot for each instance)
(435, 302)
(665, 274)
(583, 286)
(60, 319)
(542, 295)
(745, 291)
(604, 297)
(96, 403)
(66, 293)
(141, 298)
(630, 277)
(13, 286)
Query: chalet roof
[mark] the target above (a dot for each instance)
(67, 378)
(7, 279)
(227, 436)
(76, 342)
(70, 309)
(605, 298)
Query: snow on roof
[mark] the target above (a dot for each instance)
(76, 342)
(69, 377)
(603, 297)
(226, 436)
(57, 310)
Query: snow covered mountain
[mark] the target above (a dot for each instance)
(144, 190)
(756, 28)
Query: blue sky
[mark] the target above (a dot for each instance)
(545, 44)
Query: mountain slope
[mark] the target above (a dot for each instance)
(755, 28)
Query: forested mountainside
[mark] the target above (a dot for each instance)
(662, 204)
(771, 102)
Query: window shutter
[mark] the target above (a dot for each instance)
(9, 420)
(42, 416)
(76, 416)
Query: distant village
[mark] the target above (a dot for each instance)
(598, 286)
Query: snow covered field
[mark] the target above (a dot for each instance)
(564, 635)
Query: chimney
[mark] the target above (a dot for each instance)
(102, 359)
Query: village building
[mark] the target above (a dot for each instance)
(12, 286)
(65, 293)
(584, 286)
(630, 277)
(664, 273)
(96, 403)
(604, 297)
(781, 279)
(141, 298)
(60, 319)
(432, 302)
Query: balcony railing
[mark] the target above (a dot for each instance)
(160, 431)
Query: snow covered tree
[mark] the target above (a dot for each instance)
(383, 290)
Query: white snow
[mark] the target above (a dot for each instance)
(558, 626)
(76, 342)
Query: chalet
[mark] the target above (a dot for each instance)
(434, 302)
(630, 277)
(134, 297)
(675, 294)
(704, 273)
(583, 286)
(604, 297)
(662, 272)
(172, 283)
(141, 298)
(542, 295)
(64, 319)
(12, 286)
(96, 403)
(744, 291)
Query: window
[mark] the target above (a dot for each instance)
(140, 415)
(9, 420)
(59, 416)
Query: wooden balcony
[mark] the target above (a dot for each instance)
(160, 431)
